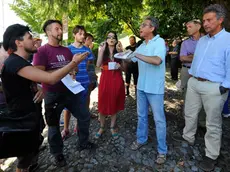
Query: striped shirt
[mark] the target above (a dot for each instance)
(82, 74)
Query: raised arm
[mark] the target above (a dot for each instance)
(100, 55)
(37, 75)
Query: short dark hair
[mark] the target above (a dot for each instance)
(89, 35)
(77, 28)
(13, 33)
(154, 22)
(49, 22)
(218, 9)
(133, 37)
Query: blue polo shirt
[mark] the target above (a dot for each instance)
(152, 77)
(82, 74)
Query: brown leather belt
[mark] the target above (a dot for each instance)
(200, 79)
(186, 66)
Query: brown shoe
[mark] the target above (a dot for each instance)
(178, 137)
(207, 164)
(135, 145)
(161, 158)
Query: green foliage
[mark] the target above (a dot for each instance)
(172, 15)
(122, 16)
(34, 13)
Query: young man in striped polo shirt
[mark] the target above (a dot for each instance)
(82, 75)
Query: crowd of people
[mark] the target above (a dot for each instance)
(205, 81)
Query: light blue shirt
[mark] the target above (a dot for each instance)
(151, 77)
(212, 58)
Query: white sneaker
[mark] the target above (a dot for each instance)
(226, 115)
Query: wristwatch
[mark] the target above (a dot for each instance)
(223, 90)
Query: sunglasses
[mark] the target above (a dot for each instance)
(111, 37)
(144, 25)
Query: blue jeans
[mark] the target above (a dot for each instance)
(54, 104)
(226, 110)
(156, 101)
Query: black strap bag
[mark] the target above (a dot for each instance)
(18, 135)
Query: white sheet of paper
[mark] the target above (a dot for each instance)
(74, 86)
(112, 65)
(123, 55)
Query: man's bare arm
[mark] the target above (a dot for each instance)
(186, 59)
(155, 60)
(173, 52)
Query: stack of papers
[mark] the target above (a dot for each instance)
(72, 85)
(124, 55)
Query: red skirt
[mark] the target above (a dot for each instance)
(111, 92)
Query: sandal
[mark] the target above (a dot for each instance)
(161, 158)
(75, 130)
(135, 145)
(93, 115)
(98, 134)
(65, 134)
(114, 133)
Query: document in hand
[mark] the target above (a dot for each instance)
(74, 86)
(124, 55)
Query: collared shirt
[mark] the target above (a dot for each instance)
(212, 58)
(188, 47)
(151, 77)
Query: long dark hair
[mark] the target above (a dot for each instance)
(106, 52)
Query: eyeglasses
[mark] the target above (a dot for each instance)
(110, 37)
(144, 24)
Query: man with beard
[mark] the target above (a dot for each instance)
(132, 68)
(18, 77)
(49, 57)
(150, 56)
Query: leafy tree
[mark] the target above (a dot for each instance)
(34, 13)
(100, 16)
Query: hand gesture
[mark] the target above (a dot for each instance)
(118, 66)
(102, 46)
(38, 96)
(77, 58)
(119, 47)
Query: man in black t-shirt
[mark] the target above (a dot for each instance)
(18, 79)
(132, 68)
(174, 59)
(21, 94)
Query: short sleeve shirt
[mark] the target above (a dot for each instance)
(188, 47)
(52, 58)
(82, 74)
(151, 77)
(18, 90)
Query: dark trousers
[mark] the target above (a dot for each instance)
(39, 111)
(174, 68)
(132, 69)
(128, 76)
(226, 109)
(54, 104)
